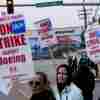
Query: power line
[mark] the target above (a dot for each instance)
(64, 4)
(81, 4)
(20, 5)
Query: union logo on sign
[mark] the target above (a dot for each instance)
(18, 26)
(13, 27)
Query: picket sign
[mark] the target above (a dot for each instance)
(92, 41)
(15, 53)
(46, 35)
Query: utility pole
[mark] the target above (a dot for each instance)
(85, 25)
(83, 14)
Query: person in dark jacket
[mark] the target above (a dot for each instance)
(70, 63)
(74, 64)
(40, 88)
(93, 66)
(85, 80)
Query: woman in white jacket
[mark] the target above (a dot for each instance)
(66, 89)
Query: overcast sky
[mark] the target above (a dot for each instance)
(60, 16)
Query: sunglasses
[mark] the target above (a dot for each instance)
(35, 83)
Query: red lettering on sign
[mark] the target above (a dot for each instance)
(64, 39)
(12, 41)
(92, 35)
(5, 29)
(1, 46)
(92, 42)
(7, 43)
(12, 59)
(44, 24)
(94, 51)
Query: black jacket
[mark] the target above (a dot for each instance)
(44, 95)
(85, 80)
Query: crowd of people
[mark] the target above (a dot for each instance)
(74, 81)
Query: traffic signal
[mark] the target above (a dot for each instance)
(10, 6)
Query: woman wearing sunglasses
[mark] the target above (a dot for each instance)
(40, 88)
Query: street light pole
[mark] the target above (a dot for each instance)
(85, 25)
(85, 16)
